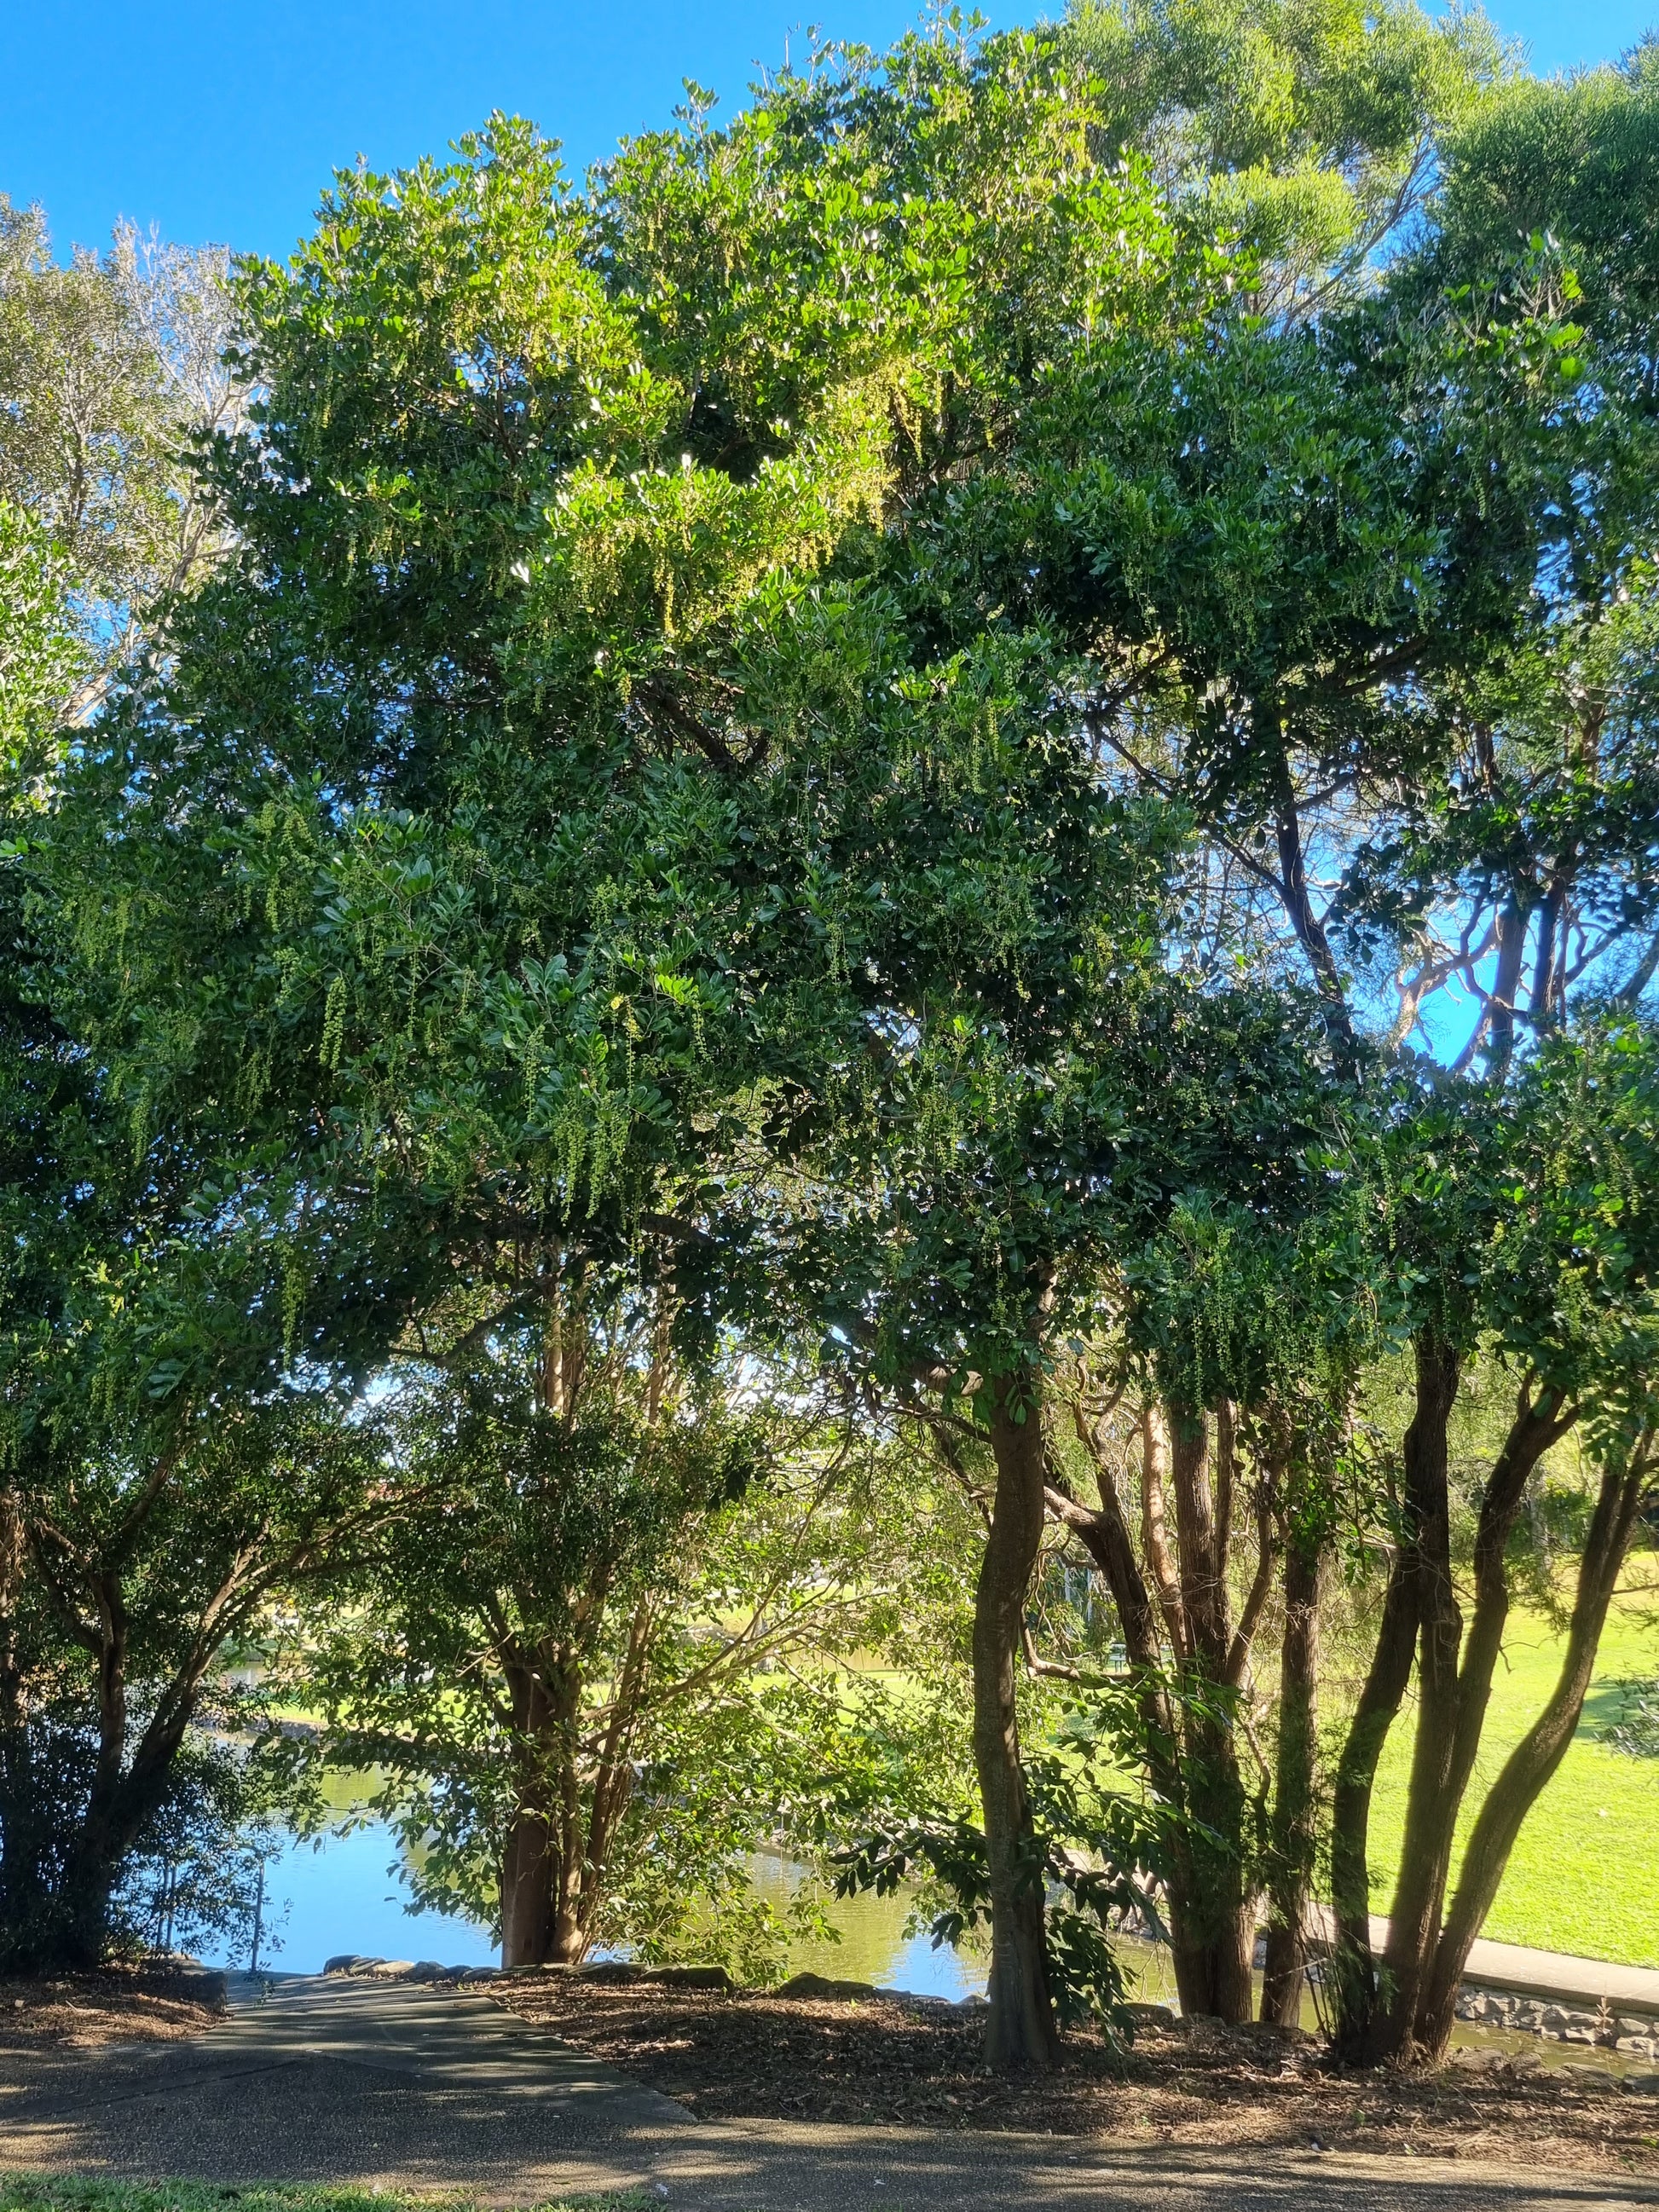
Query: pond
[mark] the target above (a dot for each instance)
(350, 1892)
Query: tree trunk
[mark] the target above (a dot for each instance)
(1425, 1535)
(1414, 1918)
(1535, 1759)
(1212, 1920)
(530, 1857)
(1020, 2028)
(527, 1870)
(1190, 1762)
(1154, 1536)
(1455, 1676)
(115, 1818)
(23, 1840)
(1358, 1990)
(1513, 922)
(1294, 1816)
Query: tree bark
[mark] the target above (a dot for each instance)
(1414, 1917)
(1154, 1533)
(530, 1857)
(1294, 1816)
(22, 1885)
(1358, 1987)
(527, 1870)
(1191, 1757)
(1513, 922)
(1212, 1920)
(1535, 1759)
(1379, 1704)
(1455, 1676)
(1020, 2028)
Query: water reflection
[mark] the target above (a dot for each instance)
(350, 1892)
(873, 1946)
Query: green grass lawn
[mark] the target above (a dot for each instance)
(1584, 1877)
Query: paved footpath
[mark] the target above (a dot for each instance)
(381, 2085)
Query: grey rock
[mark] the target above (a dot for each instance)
(692, 1978)
(478, 1973)
(1643, 2085)
(668, 1978)
(1639, 2047)
(1554, 2016)
(1591, 2081)
(426, 1970)
(350, 1962)
(821, 1985)
(1636, 2023)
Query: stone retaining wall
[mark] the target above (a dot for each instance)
(1633, 2032)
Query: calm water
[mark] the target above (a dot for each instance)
(350, 1892)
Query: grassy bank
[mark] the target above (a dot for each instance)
(1585, 1874)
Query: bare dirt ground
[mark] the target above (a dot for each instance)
(80, 2011)
(1190, 2084)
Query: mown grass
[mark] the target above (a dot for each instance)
(39, 2192)
(1584, 1878)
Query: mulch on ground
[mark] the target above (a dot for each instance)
(116, 2005)
(752, 2057)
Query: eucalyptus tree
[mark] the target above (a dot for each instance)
(112, 369)
(1313, 134)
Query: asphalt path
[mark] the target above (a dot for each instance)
(396, 2086)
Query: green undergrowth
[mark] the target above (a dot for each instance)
(39, 2192)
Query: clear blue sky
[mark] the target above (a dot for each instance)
(222, 122)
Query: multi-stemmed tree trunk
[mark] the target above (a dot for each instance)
(1402, 2005)
(1537, 1757)
(1187, 1702)
(1295, 1824)
(1020, 2029)
(571, 1793)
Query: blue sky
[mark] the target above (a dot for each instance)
(222, 123)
